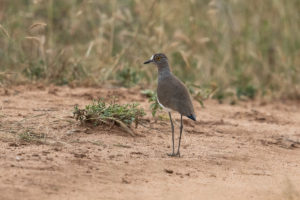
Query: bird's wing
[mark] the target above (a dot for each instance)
(173, 94)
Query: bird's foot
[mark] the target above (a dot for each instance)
(174, 154)
(171, 154)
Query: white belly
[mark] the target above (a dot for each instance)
(164, 108)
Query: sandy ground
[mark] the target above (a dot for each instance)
(247, 151)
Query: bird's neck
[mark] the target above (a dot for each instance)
(163, 71)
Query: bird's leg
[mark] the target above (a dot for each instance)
(172, 126)
(181, 127)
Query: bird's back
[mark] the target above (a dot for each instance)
(174, 95)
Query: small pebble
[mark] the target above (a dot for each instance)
(169, 171)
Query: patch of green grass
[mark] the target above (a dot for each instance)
(201, 93)
(31, 137)
(128, 77)
(35, 71)
(248, 91)
(99, 112)
(98, 143)
(221, 95)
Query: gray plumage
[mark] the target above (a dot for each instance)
(172, 93)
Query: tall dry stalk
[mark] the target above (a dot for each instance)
(232, 44)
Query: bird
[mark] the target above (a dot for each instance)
(172, 95)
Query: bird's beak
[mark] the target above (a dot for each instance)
(148, 61)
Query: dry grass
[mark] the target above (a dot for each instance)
(238, 46)
(31, 137)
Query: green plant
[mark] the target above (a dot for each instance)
(222, 94)
(99, 113)
(35, 71)
(248, 91)
(128, 77)
(31, 137)
(201, 93)
(152, 97)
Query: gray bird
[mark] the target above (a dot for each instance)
(172, 94)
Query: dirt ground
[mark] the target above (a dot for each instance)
(246, 151)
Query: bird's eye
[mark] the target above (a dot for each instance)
(157, 58)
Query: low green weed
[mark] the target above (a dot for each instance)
(31, 137)
(99, 113)
(152, 96)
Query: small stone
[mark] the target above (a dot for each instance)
(50, 159)
(45, 152)
(169, 171)
(124, 180)
(56, 149)
(13, 144)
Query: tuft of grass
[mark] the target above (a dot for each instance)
(128, 77)
(221, 94)
(122, 146)
(248, 91)
(201, 93)
(35, 71)
(31, 137)
(99, 113)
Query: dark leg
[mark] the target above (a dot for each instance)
(172, 126)
(181, 127)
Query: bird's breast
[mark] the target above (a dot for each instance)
(164, 107)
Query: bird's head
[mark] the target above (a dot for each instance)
(158, 58)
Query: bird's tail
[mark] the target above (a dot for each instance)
(192, 116)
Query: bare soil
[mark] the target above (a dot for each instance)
(246, 151)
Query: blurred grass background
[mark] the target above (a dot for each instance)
(242, 48)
